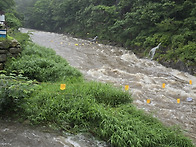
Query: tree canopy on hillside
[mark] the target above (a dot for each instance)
(6, 4)
(134, 23)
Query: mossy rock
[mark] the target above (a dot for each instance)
(5, 44)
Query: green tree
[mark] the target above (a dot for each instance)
(12, 21)
(6, 4)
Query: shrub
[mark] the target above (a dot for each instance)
(13, 90)
(13, 21)
(42, 64)
(188, 53)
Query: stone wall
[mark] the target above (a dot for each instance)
(8, 48)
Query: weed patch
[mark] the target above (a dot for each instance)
(13, 90)
(42, 64)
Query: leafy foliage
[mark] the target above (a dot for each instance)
(12, 21)
(42, 64)
(6, 4)
(13, 90)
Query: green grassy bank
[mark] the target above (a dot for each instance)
(30, 87)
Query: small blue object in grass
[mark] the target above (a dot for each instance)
(189, 99)
(3, 33)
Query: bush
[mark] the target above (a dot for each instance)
(42, 64)
(13, 90)
(12, 21)
(188, 53)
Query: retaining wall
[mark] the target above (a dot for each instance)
(8, 48)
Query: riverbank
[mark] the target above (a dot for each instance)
(93, 107)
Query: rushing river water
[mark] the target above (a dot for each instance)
(13, 134)
(121, 67)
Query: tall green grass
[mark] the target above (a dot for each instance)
(78, 108)
(42, 64)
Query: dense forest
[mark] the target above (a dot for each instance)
(138, 25)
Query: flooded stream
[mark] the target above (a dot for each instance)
(121, 67)
(14, 134)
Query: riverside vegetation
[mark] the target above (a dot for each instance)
(30, 89)
(138, 25)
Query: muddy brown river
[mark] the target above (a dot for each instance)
(14, 134)
(121, 67)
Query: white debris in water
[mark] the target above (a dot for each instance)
(80, 140)
(6, 129)
(189, 99)
(129, 57)
(67, 142)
